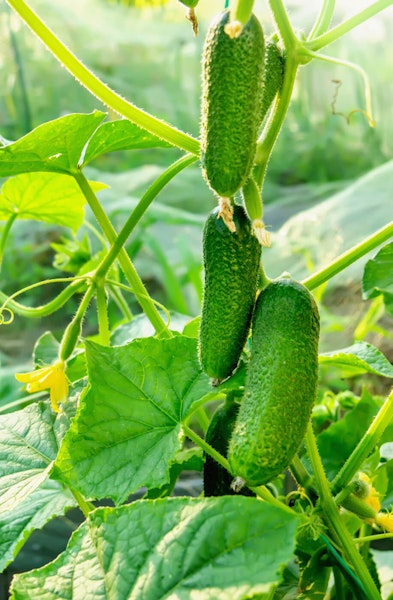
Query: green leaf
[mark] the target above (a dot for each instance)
(29, 441)
(49, 197)
(190, 459)
(120, 135)
(361, 357)
(377, 277)
(16, 524)
(338, 441)
(140, 327)
(128, 429)
(28, 445)
(225, 548)
(55, 146)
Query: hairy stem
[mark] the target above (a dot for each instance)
(98, 88)
(349, 257)
(340, 30)
(141, 208)
(323, 20)
(334, 522)
(125, 262)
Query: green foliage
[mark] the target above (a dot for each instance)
(133, 402)
(168, 560)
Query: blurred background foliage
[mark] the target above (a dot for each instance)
(145, 49)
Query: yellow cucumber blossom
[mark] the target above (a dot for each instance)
(52, 378)
(385, 521)
(372, 497)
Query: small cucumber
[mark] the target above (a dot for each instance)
(232, 82)
(273, 76)
(281, 383)
(231, 264)
(216, 480)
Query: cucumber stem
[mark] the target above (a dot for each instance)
(99, 89)
(333, 521)
(126, 265)
(349, 257)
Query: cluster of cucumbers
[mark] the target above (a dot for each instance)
(260, 434)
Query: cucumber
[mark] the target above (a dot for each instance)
(231, 264)
(273, 77)
(216, 480)
(232, 84)
(281, 383)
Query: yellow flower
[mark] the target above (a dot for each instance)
(372, 496)
(51, 377)
(385, 521)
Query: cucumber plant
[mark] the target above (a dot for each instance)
(128, 410)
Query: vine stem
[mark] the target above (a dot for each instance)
(104, 335)
(283, 23)
(323, 20)
(127, 266)
(144, 203)
(365, 446)
(332, 517)
(45, 309)
(337, 32)
(85, 506)
(4, 235)
(261, 491)
(98, 88)
(349, 257)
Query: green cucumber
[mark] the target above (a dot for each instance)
(281, 383)
(231, 264)
(273, 77)
(216, 480)
(232, 85)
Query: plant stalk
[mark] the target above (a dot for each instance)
(125, 262)
(334, 522)
(99, 89)
(349, 257)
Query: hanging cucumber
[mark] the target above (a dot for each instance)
(231, 264)
(273, 76)
(281, 383)
(216, 479)
(232, 85)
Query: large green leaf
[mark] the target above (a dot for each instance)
(49, 197)
(55, 146)
(359, 358)
(128, 429)
(16, 524)
(227, 548)
(378, 276)
(120, 135)
(29, 441)
(28, 445)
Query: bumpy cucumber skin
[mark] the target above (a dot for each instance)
(231, 264)
(232, 82)
(281, 383)
(273, 77)
(216, 480)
